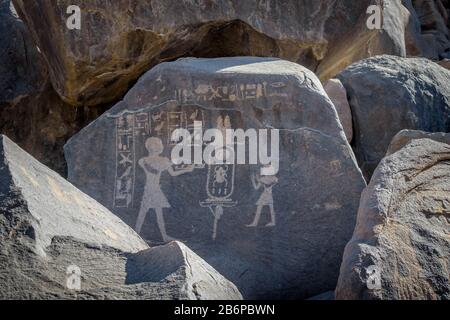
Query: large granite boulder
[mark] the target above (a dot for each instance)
(119, 40)
(402, 138)
(401, 245)
(58, 243)
(176, 267)
(388, 94)
(276, 234)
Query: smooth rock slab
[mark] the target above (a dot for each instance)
(401, 245)
(388, 94)
(307, 210)
(58, 243)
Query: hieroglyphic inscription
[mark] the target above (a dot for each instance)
(231, 93)
(133, 129)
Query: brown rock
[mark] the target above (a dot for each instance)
(445, 63)
(58, 243)
(42, 123)
(22, 69)
(31, 112)
(120, 40)
(430, 35)
(338, 96)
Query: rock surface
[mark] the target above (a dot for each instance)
(445, 63)
(338, 95)
(120, 40)
(31, 112)
(326, 296)
(432, 30)
(405, 136)
(388, 94)
(51, 234)
(22, 70)
(401, 245)
(188, 273)
(307, 209)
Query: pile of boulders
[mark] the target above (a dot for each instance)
(344, 187)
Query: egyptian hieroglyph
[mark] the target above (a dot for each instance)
(269, 234)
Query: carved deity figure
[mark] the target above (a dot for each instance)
(266, 198)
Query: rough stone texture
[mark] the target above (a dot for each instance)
(315, 193)
(22, 71)
(405, 136)
(403, 229)
(47, 225)
(120, 40)
(338, 95)
(445, 63)
(414, 41)
(176, 263)
(326, 296)
(31, 112)
(431, 35)
(388, 94)
(42, 123)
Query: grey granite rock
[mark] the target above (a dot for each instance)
(402, 138)
(58, 243)
(388, 94)
(276, 236)
(401, 246)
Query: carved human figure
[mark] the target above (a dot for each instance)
(266, 198)
(153, 198)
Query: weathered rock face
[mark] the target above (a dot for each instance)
(401, 245)
(190, 275)
(22, 71)
(406, 136)
(120, 40)
(274, 236)
(388, 94)
(326, 296)
(31, 112)
(338, 95)
(432, 30)
(51, 235)
(42, 123)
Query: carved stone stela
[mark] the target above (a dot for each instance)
(144, 144)
(265, 225)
